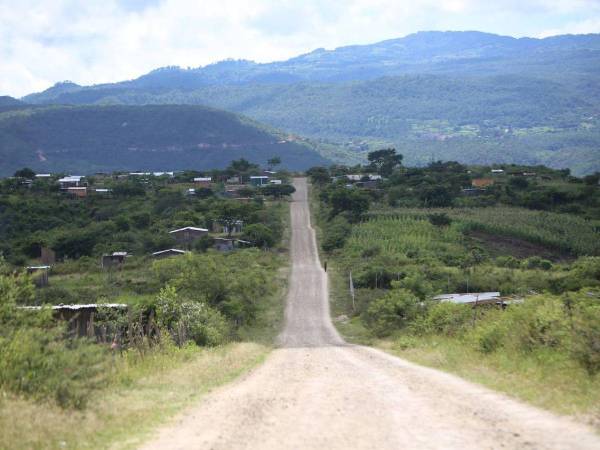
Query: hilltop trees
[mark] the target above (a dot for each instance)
(384, 161)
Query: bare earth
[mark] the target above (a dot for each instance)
(316, 392)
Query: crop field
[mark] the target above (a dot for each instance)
(412, 237)
(565, 232)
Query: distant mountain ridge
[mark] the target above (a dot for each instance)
(87, 139)
(467, 96)
(424, 52)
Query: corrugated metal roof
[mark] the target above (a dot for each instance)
(76, 307)
(468, 298)
(174, 250)
(189, 228)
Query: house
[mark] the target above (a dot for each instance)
(230, 228)
(363, 177)
(476, 298)
(259, 180)
(48, 256)
(39, 275)
(80, 318)
(234, 190)
(115, 259)
(233, 180)
(168, 253)
(43, 175)
(79, 192)
(139, 174)
(470, 192)
(103, 192)
(187, 235)
(497, 171)
(354, 177)
(275, 182)
(71, 181)
(164, 174)
(203, 181)
(228, 244)
(190, 192)
(482, 182)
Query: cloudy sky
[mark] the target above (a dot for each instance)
(96, 41)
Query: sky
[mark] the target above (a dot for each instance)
(97, 41)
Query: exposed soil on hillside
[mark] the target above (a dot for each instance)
(497, 245)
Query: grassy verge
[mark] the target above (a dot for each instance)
(144, 395)
(543, 380)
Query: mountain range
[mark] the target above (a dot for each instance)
(467, 96)
(88, 138)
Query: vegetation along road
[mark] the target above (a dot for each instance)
(315, 391)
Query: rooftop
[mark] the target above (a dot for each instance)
(188, 229)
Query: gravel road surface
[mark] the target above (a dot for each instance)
(316, 392)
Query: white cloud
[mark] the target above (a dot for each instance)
(44, 41)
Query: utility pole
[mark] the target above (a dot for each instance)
(352, 292)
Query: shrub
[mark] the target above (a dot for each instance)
(335, 234)
(585, 315)
(510, 262)
(540, 322)
(535, 262)
(187, 320)
(259, 235)
(445, 318)
(391, 312)
(440, 219)
(489, 335)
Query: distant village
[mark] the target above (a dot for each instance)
(251, 184)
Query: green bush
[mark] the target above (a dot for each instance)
(585, 315)
(445, 318)
(540, 322)
(40, 363)
(489, 335)
(335, 234)
(392, 312)
(188, 320)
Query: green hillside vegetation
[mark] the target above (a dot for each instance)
(476, 120)
(90, 139)
(174, 307)
(417, 234)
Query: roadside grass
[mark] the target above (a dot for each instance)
(543, 379)
(144, 395)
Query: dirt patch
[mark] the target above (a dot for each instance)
(497, 245)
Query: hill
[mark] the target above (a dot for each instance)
(104, 138)
(469, 96)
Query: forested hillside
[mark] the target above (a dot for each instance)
(465, 96)
(104, 138)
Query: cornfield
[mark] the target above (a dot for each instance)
(565, 232)
(403, 234)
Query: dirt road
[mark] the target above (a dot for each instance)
(315, 392)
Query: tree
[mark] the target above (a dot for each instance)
(259, 235)
(25, 172)
(273, 162)
(351, 201)
(384, 161)
(318, 175)
(278, 190)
